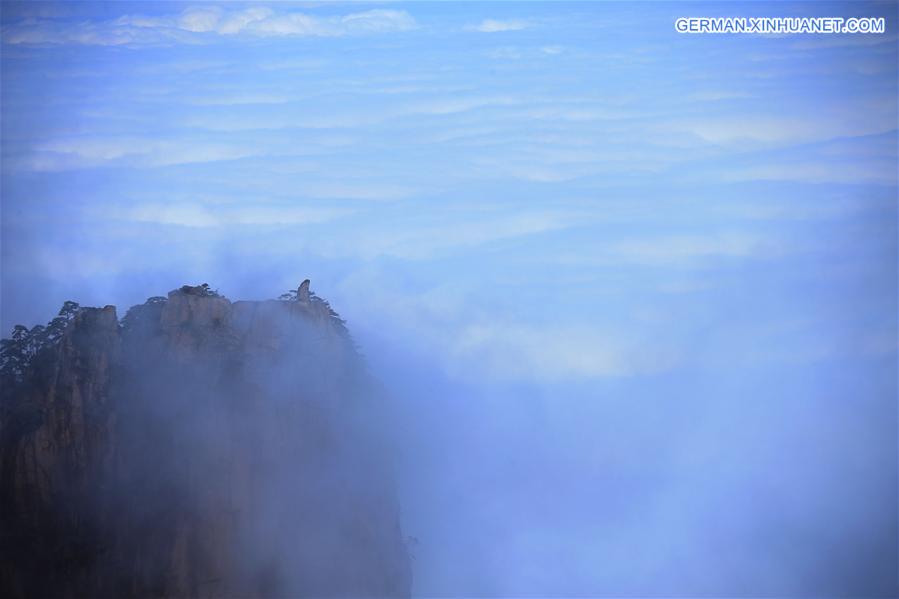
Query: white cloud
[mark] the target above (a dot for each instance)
(860, 119)
(236, 22)
(445, 321)
(454, 104)
(195, 25)
(357, 191)
(525, 352)
(678, 249)
(78, 152)
(203, 216)
(882, 171)
(89, 34)
(675, 250)
(238, 99)
(200, 20)
(848, 40)
(339, 118)
(495, 26)
(718, 95)
(425, 240)
(379, 20)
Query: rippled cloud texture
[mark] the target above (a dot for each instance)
(634, 291)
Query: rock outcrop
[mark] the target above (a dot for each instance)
(198, 448)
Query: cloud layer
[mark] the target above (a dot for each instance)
(497, 26)
(634, 291)
(196, 25)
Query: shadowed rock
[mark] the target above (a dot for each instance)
(199, 448)
(303, 292)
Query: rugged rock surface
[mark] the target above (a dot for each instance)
(198, 448)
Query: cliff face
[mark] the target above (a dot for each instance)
(198, 448)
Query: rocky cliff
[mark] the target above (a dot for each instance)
(198, 447)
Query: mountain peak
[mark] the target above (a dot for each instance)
(198, 447)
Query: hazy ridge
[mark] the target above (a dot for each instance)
(197, 447)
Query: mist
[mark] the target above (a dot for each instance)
(630, 296)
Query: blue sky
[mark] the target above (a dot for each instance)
(657, 271)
